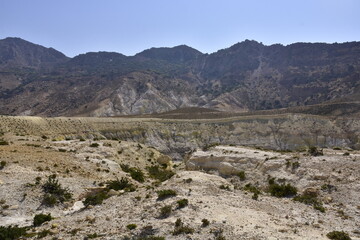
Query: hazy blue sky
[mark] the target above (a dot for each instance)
(130, 26)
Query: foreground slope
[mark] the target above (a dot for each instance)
(222, 198)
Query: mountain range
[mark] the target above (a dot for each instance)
(247, 76)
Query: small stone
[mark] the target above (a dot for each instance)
(328, 199)
(112, 192)
(316, 225)
(14, 207)
(90, 219)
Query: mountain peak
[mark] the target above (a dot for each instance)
(16, 52)
(181, 53)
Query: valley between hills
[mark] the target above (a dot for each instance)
(241, 177)
(251, 142)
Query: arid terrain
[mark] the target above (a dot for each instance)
(250, 142)
(244, 177)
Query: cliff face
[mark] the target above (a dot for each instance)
(179, 137)
(247, 76)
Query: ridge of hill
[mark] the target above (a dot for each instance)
(245, 77)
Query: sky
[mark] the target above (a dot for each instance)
(131, 26)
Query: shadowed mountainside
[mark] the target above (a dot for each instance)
(247, 76)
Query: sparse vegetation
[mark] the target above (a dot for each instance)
(338, 235)
(166, 193)
(122, 184)
(182, 203)
(165, 211)
(41, 218)
(205, 222)
(2, 164)
(314, 151)
(224, 187)
(328, 188)
(149, 238)
(241, 175)
(96, 198)
(131, 226)
(310, 198)
(94, 145)
(283, 190)
(135, 173)
(180, 228)
(250, 188)
(12, 232)
(255, 196)
(159, 174)
(54, 193)
(3, 142)
(93, 235)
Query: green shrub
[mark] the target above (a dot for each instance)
(122, 184)
(135, 173)
(150, 238)
(37, 180)
(205, 222)
(165, 211)
(271, 181)
(282, 190)
(96, 198)
(337, 235)
(62, 150)
(53, 190)
(2, 164)
(3, 142)
(182, 203)
(295, 165)
(255, 196)
(224, 187)
(241, 175)
(74, 231)
(41, 218)
(131, 226)
(218, 233)
(328, 188)
(314, 151)
(49, 200)
(93, 235)
(310, 199)
(319, 208)
(250, 188)
(94, 145)
(188, 180)
(12, 232)
(159, 174)
(181, 229)
(166, 193)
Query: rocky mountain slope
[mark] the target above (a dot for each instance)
(247, 76)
